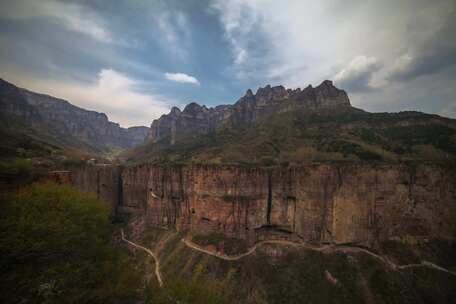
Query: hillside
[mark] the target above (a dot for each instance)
(279, 126)
(56, 122)
(287, 273)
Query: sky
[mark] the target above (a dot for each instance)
(134, 60)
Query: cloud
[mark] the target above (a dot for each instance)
(72, 16)
(434, 54)
(301, 42)
(174, 31)
(272, 41)
(113, 93)
(238, 19)
(357, 75)
(182, 78)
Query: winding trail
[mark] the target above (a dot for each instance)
(157, 262)
(324, 249)
(194, 246)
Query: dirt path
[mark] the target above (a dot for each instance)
(324, 249)
(429, 265)
(157, 262)
(240, 256)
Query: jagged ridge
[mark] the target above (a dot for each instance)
(279, 125)
(196, 120)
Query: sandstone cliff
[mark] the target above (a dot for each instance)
(359, 204)
(69, 125)
(316, 203)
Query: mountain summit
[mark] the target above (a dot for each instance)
(196, 120)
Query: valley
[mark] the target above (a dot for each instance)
(227, 152)
(285, 195)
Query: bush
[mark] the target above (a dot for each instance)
(183, 291)
(16, 166)
(55, 248)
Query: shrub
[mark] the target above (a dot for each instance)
(55, 248)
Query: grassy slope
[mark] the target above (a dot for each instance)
(298, 137)
(281, 274)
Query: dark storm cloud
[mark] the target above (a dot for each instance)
(357, 75)
(434, 55)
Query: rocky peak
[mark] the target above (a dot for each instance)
(193, 108)
(327, 88)
(329, 95)
(197, 119)
(249, 93)
(175, 111)
(271, 93)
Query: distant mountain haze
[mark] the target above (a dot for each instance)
(68, 124)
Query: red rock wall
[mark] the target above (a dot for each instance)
(315, 203)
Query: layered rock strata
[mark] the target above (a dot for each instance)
(317, 203)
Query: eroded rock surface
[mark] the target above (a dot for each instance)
(316, 203)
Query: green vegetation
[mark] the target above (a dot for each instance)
(18, 171)
(298, 137)
(438, 251)
(16, 166)
(284, 274)
(55, 247)
(399, 252)
(21, 141)
(230, 246)
(196, 290)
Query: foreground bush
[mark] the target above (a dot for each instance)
(55, 248)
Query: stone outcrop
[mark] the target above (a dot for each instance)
(196, 120)
(70, 125)
(322, 203)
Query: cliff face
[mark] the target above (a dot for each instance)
(196, 120)
(102, 180)
(316, 203)
(67, 123)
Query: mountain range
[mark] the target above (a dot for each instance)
(52, 123)
(279, 125)
(273, 126)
